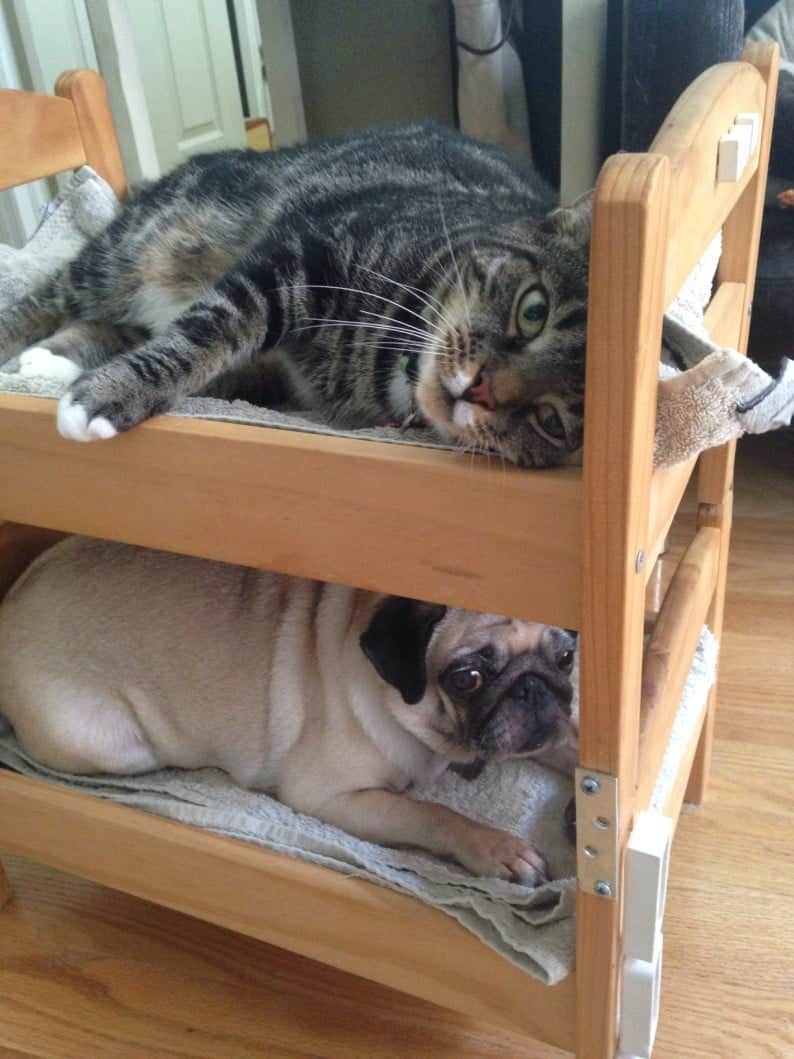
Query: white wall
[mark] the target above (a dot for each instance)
(584, 24)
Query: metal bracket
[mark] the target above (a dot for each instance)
(597, 851)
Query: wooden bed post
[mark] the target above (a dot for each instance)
(627, 268)
(715, 476)
(86, 91)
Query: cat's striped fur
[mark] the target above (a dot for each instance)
(387, 273)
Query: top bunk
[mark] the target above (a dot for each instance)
(433, 524)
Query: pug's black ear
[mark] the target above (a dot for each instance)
(396, 643)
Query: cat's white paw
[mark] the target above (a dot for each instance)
(38, 361)
(74, 424)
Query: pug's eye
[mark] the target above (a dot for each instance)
(532, 312)
(565, 662)
(466, 680)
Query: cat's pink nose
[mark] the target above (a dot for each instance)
(480, 392)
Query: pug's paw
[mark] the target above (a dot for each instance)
(490, 852)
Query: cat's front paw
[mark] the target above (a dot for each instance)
(76, 423)
(105, 402)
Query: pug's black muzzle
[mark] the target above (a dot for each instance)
(521, 711)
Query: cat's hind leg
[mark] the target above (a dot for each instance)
(30, 320)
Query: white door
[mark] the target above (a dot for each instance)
(189, 77)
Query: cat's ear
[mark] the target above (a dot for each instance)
(396, 642)
(574, 220)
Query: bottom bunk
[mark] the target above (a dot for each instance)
(314, 910)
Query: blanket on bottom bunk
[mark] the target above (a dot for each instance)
(535, 929)
(724, 396)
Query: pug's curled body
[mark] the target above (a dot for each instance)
(120, 660)
(384, 275)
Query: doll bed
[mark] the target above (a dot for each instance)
(574, 548)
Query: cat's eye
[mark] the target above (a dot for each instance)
(549, 419)
(467, 680)
(565, 661)
(532, 312)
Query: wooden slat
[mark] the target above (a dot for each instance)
(674, 801)
(668, 656)
(726, 315)
(667, 490)
(689, 138)
(39, 136)
(88, 95)
(413, 521)
(627, 260)
(724, 320)
(348, 923)
(715, 479)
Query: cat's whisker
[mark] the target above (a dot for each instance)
(316, 323)
(406, 328)
(455, 263)
(430, 301)
(408, 344)
(358, 290)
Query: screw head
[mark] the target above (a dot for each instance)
(603, 889)
(590, 785)
(639, 562)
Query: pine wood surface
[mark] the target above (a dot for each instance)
(668, 655)
(356, 926)
(715, 470)
(87, 973)
(89, 97)
(371, 514)
(629, 240)
(51, 134)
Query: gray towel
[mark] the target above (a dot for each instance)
(535, 929)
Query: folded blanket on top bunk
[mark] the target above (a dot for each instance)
(724, 396)
(535, 929)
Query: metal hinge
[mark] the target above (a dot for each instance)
(597, 854)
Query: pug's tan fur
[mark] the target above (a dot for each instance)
(116, 659)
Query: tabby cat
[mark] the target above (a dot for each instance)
(407, 273)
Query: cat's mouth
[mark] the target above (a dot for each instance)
(468, 399)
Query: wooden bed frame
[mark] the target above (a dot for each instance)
(562, 546)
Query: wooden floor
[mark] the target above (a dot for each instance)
(86, 973)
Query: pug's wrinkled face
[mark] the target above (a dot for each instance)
(504, 687)
(476, 687)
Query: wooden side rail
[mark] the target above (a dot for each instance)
(668, 656)
(724, 319)
(689, 138)
(414, 521)
(45, 135)
(345, 922)
(53, 133)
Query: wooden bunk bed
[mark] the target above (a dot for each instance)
(563, 546)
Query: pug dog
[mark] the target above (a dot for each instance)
(116, 659)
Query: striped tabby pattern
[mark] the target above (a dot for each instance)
(406, 272)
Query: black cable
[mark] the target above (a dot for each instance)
(505, 36)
